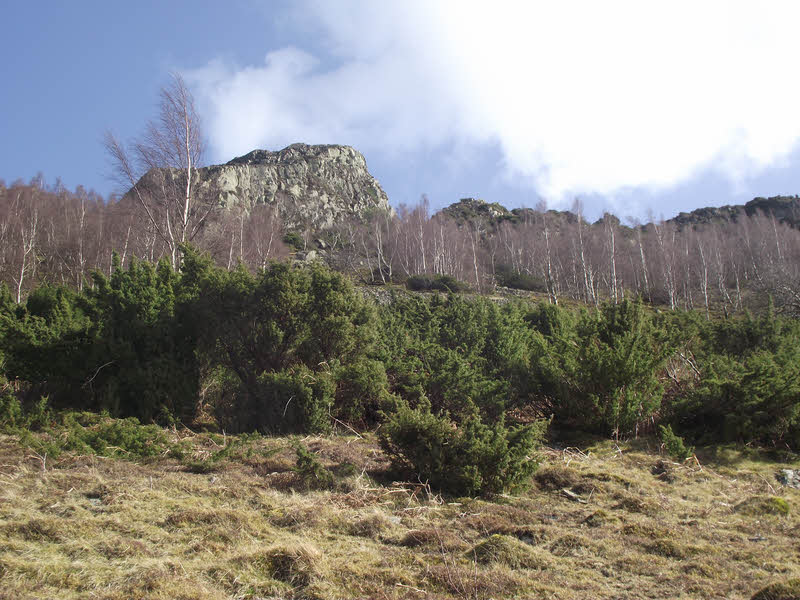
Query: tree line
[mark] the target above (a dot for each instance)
(724, 267)
(51, 235)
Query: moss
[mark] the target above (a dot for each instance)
(703, 570)
(197, 517)
(612, 478)
(788, 590)
(508, 551)
(763, 505)
(664, 471)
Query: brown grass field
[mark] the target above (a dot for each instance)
(631, 525)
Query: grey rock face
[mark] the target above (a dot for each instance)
(310, 185)
(789, 477)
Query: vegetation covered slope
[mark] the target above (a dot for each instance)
(450, 394)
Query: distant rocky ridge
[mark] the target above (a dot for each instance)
(785, 209)
(311, 186)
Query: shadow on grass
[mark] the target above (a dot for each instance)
(732, 455)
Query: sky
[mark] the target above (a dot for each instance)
(633, 107)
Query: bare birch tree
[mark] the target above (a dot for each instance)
(160, 168)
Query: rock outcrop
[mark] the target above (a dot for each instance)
(785, 209)
(312, 186)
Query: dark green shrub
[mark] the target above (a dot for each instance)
(293, 401)
(362, 391)
(440, 283)
(312, 474)
(454, 351)
(15, 416)
(467, 459)
(602, 373)
(11, 415)
(294, 240)
(674, 444)
(124, 345)
(506, 276)
(273, 338)
(746, 393)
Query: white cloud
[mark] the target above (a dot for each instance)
(582, 97)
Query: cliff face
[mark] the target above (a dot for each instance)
(311, 186)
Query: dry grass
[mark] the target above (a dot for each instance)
(88, 527)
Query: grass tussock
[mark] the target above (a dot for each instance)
(508, 551)
(789, 590)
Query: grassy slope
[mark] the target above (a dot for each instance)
(90, 527)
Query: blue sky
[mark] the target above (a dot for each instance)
(631, 106)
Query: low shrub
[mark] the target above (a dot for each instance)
(464, 460)
(298, 400)
(674, 444)
(239, 447)
(508, 277)
(312, 474)
(89, 433)
(440, 283)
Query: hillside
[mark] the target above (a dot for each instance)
(282, 406)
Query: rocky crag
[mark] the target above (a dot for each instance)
(785, 209)
(312, 186)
